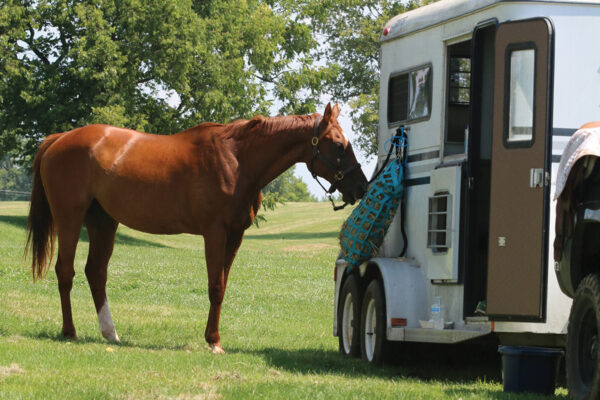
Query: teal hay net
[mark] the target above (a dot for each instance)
(363, 232)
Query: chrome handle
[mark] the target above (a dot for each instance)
(538, 178)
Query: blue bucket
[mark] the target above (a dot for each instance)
(530, 369)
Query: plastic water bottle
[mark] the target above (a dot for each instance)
(436, 313)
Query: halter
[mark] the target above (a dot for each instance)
(338, 174)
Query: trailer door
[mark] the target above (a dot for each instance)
(520, 170)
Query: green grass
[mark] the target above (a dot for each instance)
(276, 323)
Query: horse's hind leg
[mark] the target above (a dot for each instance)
(101, 229)
(68, 234)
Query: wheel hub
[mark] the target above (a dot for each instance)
(347, 323)
(370, 326)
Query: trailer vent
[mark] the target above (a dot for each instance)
(438, 227)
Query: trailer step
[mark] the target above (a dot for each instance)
(477, 319)
(437, 335)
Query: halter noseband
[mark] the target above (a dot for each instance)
(338, 174)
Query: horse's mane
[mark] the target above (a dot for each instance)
(268, 126)
(203, 126)
(247, 128)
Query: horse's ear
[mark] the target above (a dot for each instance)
(336, 111)
(327, 113)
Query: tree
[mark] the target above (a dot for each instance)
(164, 65)
(350, 32)
(15, 182)
(155, 65)
(288, 187)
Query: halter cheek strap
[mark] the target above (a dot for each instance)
(338, 173)
(315, 144)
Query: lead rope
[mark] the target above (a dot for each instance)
(399, 143)
(404, 162)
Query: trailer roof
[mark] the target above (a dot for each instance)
(445, 10)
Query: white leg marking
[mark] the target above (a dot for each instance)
(216, 348)
(107, 327)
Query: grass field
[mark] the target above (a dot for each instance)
(276, 324)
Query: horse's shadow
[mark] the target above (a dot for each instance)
(56, 336)
(120, 238)
(321, 361)
(467, 371)
(464, 371)
(315, 361)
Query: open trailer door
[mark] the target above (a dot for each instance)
(520, 170)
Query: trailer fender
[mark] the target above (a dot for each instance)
(404, 290)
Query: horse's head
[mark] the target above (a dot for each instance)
(333, 157)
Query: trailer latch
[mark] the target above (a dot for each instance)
(538, 178)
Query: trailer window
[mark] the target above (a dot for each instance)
(521, 90)
(460, 80)
(409, 96)
(458, 97)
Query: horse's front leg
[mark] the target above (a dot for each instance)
(220, 249)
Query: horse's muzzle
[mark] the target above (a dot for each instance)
(362, 189)
(356, 194)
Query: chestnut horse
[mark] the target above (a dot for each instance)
(206, 180)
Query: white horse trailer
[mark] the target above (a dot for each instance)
(490, 92)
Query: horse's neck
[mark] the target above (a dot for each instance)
(272, 153)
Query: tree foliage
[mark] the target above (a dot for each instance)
(153, 65)
(164, 65)
(15, 183)
(288, 187)
(350, 31)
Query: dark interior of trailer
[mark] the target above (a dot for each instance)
(476, 185)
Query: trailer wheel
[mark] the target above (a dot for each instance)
(583, 347)
(372, 324)
(349, 318)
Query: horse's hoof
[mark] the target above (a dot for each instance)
(216, 349)
(113, 339)
(68, 335)
(111, 336)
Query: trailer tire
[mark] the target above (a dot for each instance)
(583, 347)
(348, 318)
(372, 324)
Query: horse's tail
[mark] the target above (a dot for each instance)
(40, 226)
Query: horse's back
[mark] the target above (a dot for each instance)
(113, 150)
(70, 158)
(65, 147)
(153, 183)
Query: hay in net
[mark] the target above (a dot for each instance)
(363, 232)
